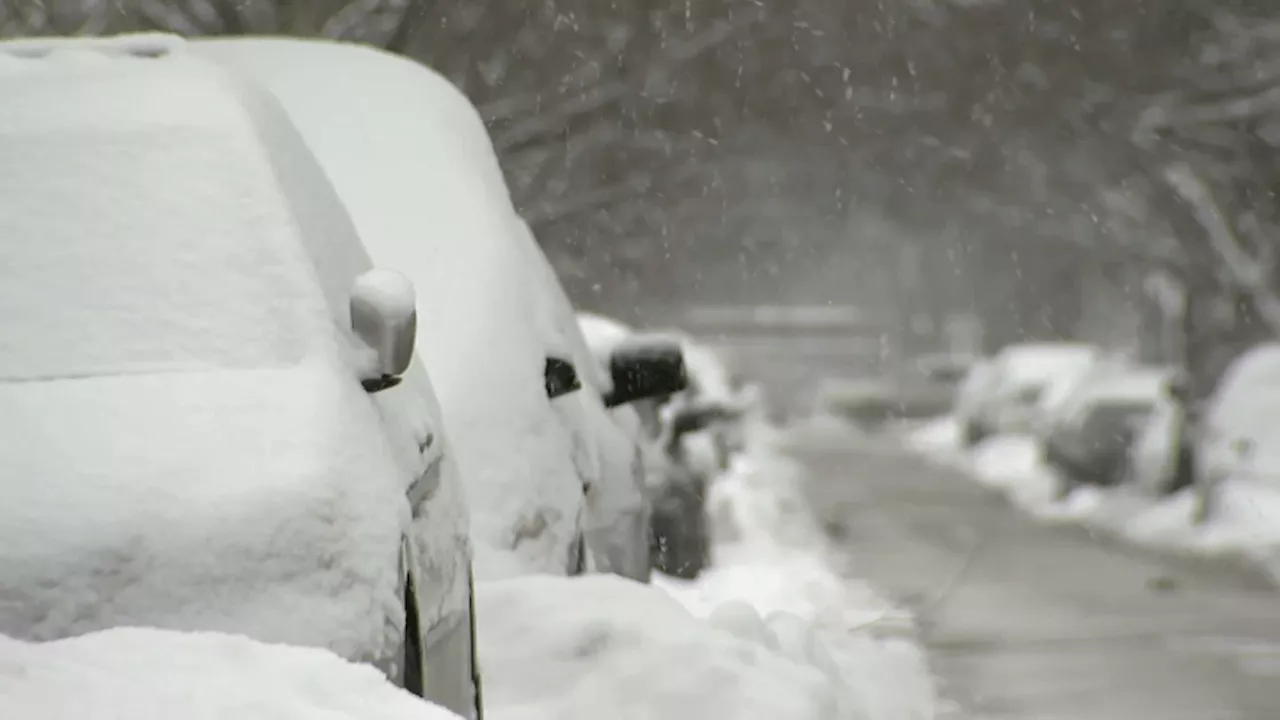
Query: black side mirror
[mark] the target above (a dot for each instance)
(560, 377)
(645, 367)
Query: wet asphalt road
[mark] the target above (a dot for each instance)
(1044, 623)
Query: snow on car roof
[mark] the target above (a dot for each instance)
(415, 168)
(141, 193)
(602, 333)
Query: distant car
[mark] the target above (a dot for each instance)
(1056, 400)
(412, 162)
(1012, 384)
(1090, 443)
(1245, 401)
(216, 419)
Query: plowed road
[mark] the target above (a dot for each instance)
(1045, 623)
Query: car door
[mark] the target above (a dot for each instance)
(611, 454)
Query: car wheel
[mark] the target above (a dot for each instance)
(413, 681)
(475, 660)
(679, 542)
(578, 556)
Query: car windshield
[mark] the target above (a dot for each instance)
(121, 255)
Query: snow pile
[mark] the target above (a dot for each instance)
(771, 579)
(603, 646)
(130, 673)
(1246, 522)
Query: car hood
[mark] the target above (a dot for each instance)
(252, 502)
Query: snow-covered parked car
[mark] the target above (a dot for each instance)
(415, 168)
(215, 419)
(1243, 404)
(677, 482)
(1006, 399)
(1098, 422)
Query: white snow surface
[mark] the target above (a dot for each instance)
(107, 521)
(416, 170)
(772, 574)
(1246, 523)
(770, 631)
(131, 673)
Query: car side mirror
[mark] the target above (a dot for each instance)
(645, 367)
(384, 315)
(560, 377)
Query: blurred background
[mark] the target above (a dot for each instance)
(921, 175)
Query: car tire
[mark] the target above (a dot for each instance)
(412, 679)
(476, 685)
(679, 542)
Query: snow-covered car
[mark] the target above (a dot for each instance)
(215, 417)
(1057, 400)
(619, 507)
(1245, 401)
(1090, 444)
(415, 168)
(677, 481)
(1007, 399)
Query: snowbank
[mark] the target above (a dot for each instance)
(131, 673)
(772, 580)
(602, 646)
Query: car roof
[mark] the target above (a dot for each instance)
(149, 89)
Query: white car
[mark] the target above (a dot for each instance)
(214, 416)
(1241, 407)
(1013, 383)
(413, 164)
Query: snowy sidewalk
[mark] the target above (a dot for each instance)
(769, 632)
(1246, 528)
